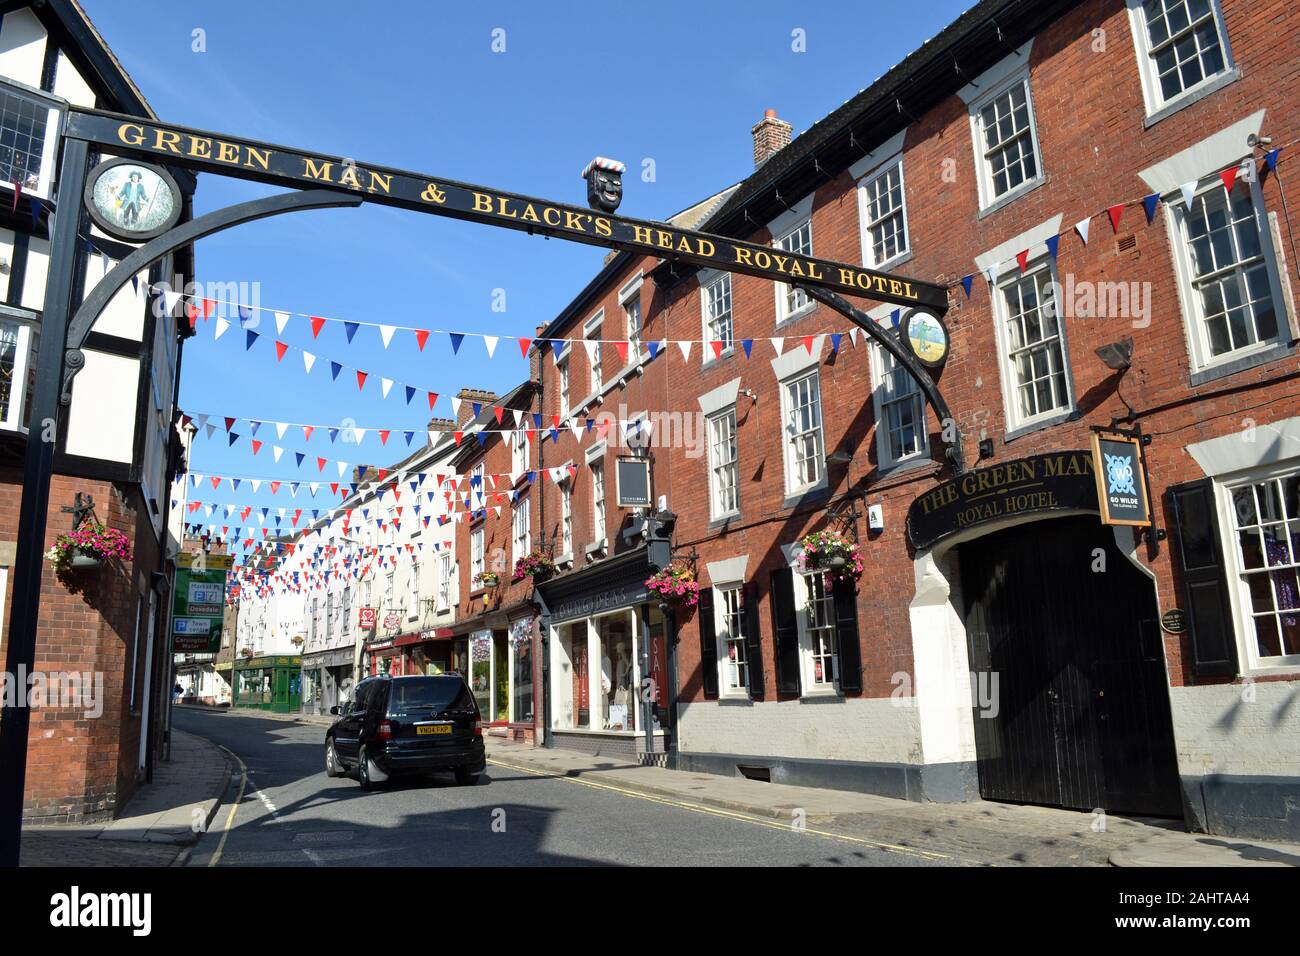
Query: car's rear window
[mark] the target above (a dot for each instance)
(429, 693)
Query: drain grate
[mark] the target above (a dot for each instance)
(323, 837)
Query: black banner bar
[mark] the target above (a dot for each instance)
(205, 151)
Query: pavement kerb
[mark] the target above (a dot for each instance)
(631, 783)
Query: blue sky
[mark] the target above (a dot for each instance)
(418, 86)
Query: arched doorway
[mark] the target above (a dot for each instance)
(1071, 702)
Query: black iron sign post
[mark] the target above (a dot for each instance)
(246, 159)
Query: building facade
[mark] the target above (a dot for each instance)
(115, 444)
(1090, 173)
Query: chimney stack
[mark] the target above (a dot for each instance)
(770, 135)
(468, 396)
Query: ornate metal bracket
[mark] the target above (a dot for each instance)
(74, 360)
(83, 506)
(895, 348)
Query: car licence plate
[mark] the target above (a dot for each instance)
(434, 729)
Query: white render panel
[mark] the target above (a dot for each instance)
(69, 84)
(38, 264)
(872, 730)
(1201, 159)
(1237, 729)
(101, 421)
(124, 314)
(22, 48)
(1251, 448)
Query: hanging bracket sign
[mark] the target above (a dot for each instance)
(1120, 468)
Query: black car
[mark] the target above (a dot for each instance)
(407, 725)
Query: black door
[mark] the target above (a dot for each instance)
(1070, 696)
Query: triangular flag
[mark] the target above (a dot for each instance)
(523, 346)
(386, 333)
(386, 384)
(281, 319)
(1229, 177)
(1054, 245)
(747, 345)
(350, 328)
(456, 339)
(1189, 193)
(1149, 204)
(421, 336)
(621, 348)
(685, 346)
(490, 343)
(308, 360)
(1081, 227)
(316, 324)
(778, 343)
(361, 379)
(1022, 259)
(965, 284)
(222, 326)
(1115, 212)
(280, 349)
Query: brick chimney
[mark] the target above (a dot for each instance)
(770, 135)
(438, 425)
(469, 395)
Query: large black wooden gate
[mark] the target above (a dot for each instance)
(1072, 704)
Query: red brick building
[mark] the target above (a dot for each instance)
(496, 503)
(1081, 175)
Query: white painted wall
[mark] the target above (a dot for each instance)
(1249, 730)
(22, 48)
(101, 419)
(861, 729)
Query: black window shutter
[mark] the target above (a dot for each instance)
(1205, 584)
(785, 632)
(846, 636)
(708, 644)
(753, 643)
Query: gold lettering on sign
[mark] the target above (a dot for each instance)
(379, 180)
(551, 216)
(166, 138)
(349, 178)
(131, 134)
(313, 171)
(433, 194)
(482, 202)
(227, 153)
(261, 157)
(201, 148)
(603, 226)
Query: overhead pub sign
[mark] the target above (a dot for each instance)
(1120, 468)
(198, 598)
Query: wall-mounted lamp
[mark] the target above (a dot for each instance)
(1117, 355)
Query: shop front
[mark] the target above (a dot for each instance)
(269, 683)
(600, 621)
(326, 679)
(503, 673)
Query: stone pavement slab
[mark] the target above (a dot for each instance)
(975, 833)
(178, 804)
(164, 816)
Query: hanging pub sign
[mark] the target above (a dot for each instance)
(131, 200)
(925, 336)
(366, 618)
(198, 601)
(1121, 479)
(1058, 481)
(633, 482)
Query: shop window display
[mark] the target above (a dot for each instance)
(617, 701)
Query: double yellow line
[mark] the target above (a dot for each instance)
(234, 807)
(729, 814)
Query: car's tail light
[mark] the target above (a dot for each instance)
(478, 728)
(385, 731)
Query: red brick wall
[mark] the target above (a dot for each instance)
(1089, 112)
(82, 768)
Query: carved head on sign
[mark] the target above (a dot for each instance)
(604, 183)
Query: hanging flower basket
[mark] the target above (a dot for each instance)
(676, 584)
(536, 565)
(87, 548)
(246, 651)
(485, 579)
(835, 554)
